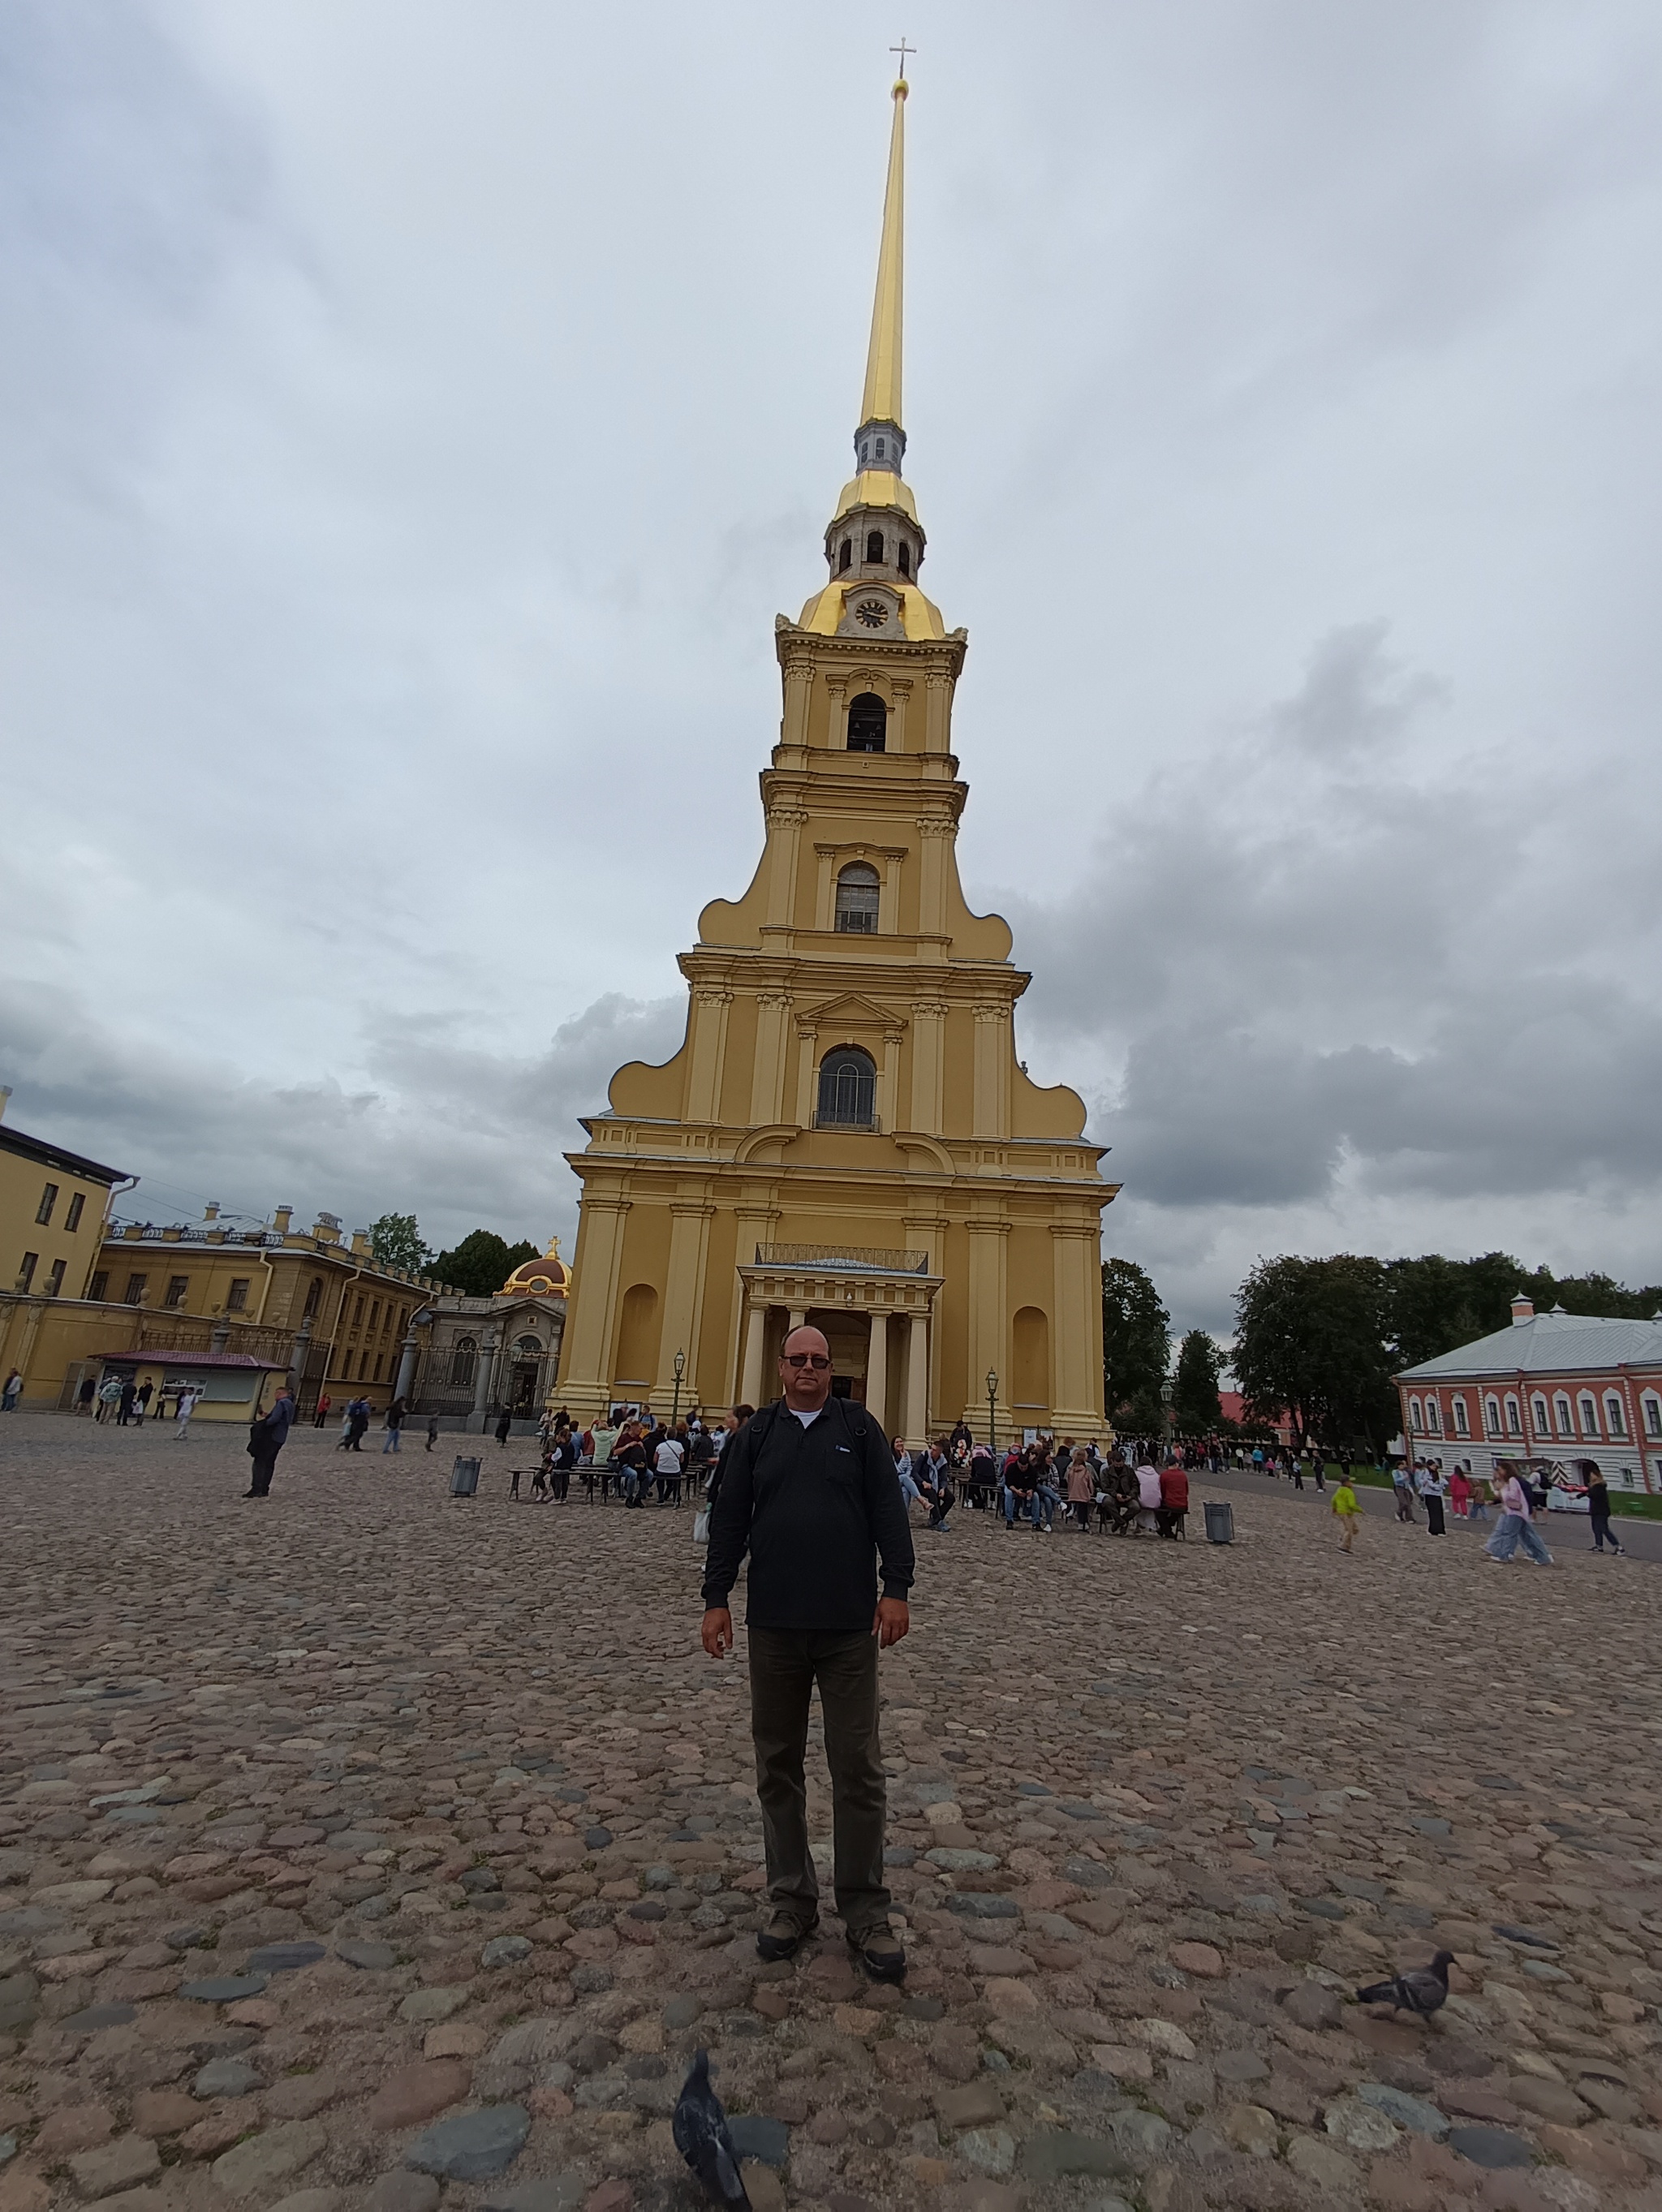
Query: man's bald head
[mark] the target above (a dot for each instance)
(805, 1369)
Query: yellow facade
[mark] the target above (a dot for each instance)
(52, 1209)
(846, 1133)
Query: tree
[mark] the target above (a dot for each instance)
(1195, 1408)
(396, 1242)
(1136, 1346)
(481, 1263)
(1311, 1339)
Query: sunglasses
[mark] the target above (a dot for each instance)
(806, 1359)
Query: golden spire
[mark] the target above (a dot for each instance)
(882, 403)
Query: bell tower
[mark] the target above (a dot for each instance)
(845, 1134)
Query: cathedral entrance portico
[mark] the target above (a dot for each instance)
(875, 1307)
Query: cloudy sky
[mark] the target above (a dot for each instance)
(413, 415)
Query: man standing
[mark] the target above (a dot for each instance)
(808, 1486)
(395, 1427)
(266, 1438)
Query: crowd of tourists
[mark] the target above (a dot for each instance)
(1035, 1482)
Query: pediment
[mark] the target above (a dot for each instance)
(850, 1009)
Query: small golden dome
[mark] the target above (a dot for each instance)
(547, 1278)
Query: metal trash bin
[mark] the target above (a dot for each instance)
(464, 1478)
(1220, 1520)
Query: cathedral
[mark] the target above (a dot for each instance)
(846, 1136)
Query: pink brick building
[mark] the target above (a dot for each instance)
(1553, 1386)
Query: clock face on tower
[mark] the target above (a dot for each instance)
(873, 613)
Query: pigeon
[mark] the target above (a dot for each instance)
(700, 2128)
(1423, 1990)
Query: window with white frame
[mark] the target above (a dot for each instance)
(1417, 1417)
(1589, 1415)
(1616, 1419)
(1537, 1416)
(1492, 1416)
(1462, 1423)
(1561, 1408)
(1654, 1416)
(1514, 1418)
(1434, 1418)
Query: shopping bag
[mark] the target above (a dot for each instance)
(701, 1527)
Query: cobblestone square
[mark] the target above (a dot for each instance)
(364, 1846)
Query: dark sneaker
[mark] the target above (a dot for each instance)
(879, 1952)
(783, 1936)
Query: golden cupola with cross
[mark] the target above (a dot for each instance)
(846, 1135)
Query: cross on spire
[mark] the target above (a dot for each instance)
(902, 50)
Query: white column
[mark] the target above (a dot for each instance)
(798, 1316)
(756, 1328)
(918, 1381)
(877, 1368)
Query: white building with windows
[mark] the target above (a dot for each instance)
(1553, 1386)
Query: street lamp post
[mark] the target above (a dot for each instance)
(992, 1410)
(680, 1366)
(1165, 1406)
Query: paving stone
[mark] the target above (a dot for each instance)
(415, 2094)
(401, 2190)
(557, 2192)
(471, 2146)
(1491, 2147)
(223, 1989)
(119, 2165)
(226, 2077)
(1052, 2154)
(755, 2135)
(253, 2167)
(368, 1957)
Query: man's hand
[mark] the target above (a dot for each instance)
(889, 1623)
(717, 1631)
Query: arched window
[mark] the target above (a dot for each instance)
(1492, 1416)
(1416, 1421)
(848, 1089)
(530, 1347)
(1514, 1421)
(1561, 1408)
(1537, 1414)
(1461, 1424)
(875, 545)
(903, 559)
(313, 1297)
(1433, 1417)
(464, 1363)
(882, 446)
(1589, 1415)
(857, 894)
(1654, 1416)
(845, 555)
(1614, 1418)
(1030, 1337)
(869, 723)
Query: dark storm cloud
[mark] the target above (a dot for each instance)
(1316, 953)
(476, 1136)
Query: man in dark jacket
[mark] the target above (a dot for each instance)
(266, 1438)
(808, 1488)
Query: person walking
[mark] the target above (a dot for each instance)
(1346, 1508)
(1401, 1482)
(357, 1424)
(267, 1434)
(395, 1439)
(1516, 1524)
(1598, 1493)
(188, 1395)
(109, 1397)
(1459, 1492)
(12, 1392)
(808, 1488)
(504, 1429)
(320, 1416)
(432, 1430)
(142, 1398)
